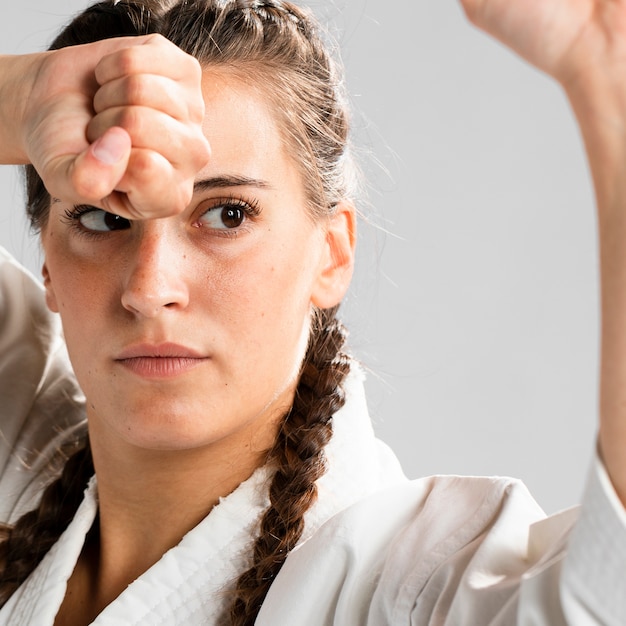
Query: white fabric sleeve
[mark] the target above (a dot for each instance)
(457, 551)
(594, 570)
(40, 402)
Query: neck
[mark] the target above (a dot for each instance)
(149, 499)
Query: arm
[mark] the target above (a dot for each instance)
(582, 44)
(91, 120)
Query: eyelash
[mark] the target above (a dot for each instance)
(250, 208)
(72, 219)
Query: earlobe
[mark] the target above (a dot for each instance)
(51, 300)
(337, 265)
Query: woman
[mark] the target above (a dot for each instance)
(237, 475)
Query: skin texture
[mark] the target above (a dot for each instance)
(239, 299)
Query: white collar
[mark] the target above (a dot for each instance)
(190, 583)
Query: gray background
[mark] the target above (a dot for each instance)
(474, 308)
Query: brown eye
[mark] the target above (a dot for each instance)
(224, 217)
(102, 221)
(232, 217)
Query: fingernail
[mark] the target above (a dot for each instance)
(111, 147)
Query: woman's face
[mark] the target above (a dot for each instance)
(186, 331)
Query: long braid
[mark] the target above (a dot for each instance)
(28, 540)
(299, 456)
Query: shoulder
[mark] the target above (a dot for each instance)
(404, 548)
(42, 406)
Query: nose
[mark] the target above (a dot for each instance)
(154, 281)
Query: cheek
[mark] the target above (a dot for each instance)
(265, 295)
(277, 279)
(72, 278)
(80, 293)
(82, 298)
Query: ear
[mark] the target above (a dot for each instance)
(337, 262)
(51, 300)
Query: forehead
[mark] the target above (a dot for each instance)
(243, 131)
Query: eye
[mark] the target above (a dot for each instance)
(223, 217)
(101, 221)
(227, 215)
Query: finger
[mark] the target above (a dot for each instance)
(94, 173)
(77, 58)
(473, 9)
(156, 55)
(151, 188)
(151, 91)
(183, 145)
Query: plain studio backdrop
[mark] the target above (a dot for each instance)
(474, 308)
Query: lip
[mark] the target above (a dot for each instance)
(160, 350)
(165, 360)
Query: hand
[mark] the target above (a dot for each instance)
(117, 124)
(566, 39)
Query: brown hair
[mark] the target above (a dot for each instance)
(282, 43)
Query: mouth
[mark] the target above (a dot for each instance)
(166, 360)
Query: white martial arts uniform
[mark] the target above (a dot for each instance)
(378, 549)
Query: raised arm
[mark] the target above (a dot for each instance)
(115, 124)
(582, 44)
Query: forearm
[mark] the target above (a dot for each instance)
(17, 74)
(601, 113)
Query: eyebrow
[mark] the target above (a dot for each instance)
(219, 182)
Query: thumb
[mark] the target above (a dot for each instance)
(95, 172)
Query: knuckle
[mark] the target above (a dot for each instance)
(195, 68)
(156, 39)
(128, 60)
(143, 169)
(202, 152)
(196, 111)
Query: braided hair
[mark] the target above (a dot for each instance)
(282, 43)
(26, 543)
(299, 455)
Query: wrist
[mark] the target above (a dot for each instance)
(18, 74)
(600, 109)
